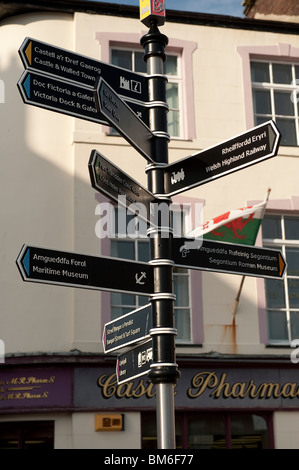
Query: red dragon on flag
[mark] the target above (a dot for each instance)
(235, 226)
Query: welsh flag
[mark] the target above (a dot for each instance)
(235, 226)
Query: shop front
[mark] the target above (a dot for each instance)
(220, 404)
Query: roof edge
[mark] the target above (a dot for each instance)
(17, 7)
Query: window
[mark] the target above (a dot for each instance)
(137, 248)
(282, 296)
(274, 93)
(133, 60)
(198, 430)
(27, 435)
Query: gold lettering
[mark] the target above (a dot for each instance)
(109, 387)
(267, 389)
(222, 385)
(252, 392)
(292, 392)
(239, 390)
(108, 384)
(201, 381)
(124, 390)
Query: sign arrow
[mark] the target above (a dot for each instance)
(249, 148)
(127, 329)
(111, 181)
(89, 272)
(123, 119)
(228, 258)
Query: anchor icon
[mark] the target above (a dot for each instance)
(140, 277)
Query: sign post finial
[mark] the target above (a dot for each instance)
(152, 10)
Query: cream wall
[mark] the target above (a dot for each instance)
(37, 194)
(286, 429)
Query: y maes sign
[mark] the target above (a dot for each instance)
(89, 272)
(124, 120)
(254, 146)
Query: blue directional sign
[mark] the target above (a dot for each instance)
(53, 94)
(70, 98)
(89, 272)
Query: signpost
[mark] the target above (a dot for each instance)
(128, 329)
(135, 362)
(65, 82)
(89, 272)
(111, 181)
(121, 117)
(228, 258)
(253, 146)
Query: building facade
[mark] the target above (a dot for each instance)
(239, 382)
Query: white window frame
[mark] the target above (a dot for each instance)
(183, 49)
(282, 244)
(272, 87)
(288, 207)
(281, 52)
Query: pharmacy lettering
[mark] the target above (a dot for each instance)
(219, 386)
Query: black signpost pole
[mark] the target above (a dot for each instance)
(163, 372)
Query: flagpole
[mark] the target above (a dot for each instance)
(235, 308)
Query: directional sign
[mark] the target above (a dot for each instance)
(254, 146)
(229, 258)
(128, 329)
(135, 362)
(68, 65)
(109, 180)
(89, 272)
(69, 98)
(121, 117)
